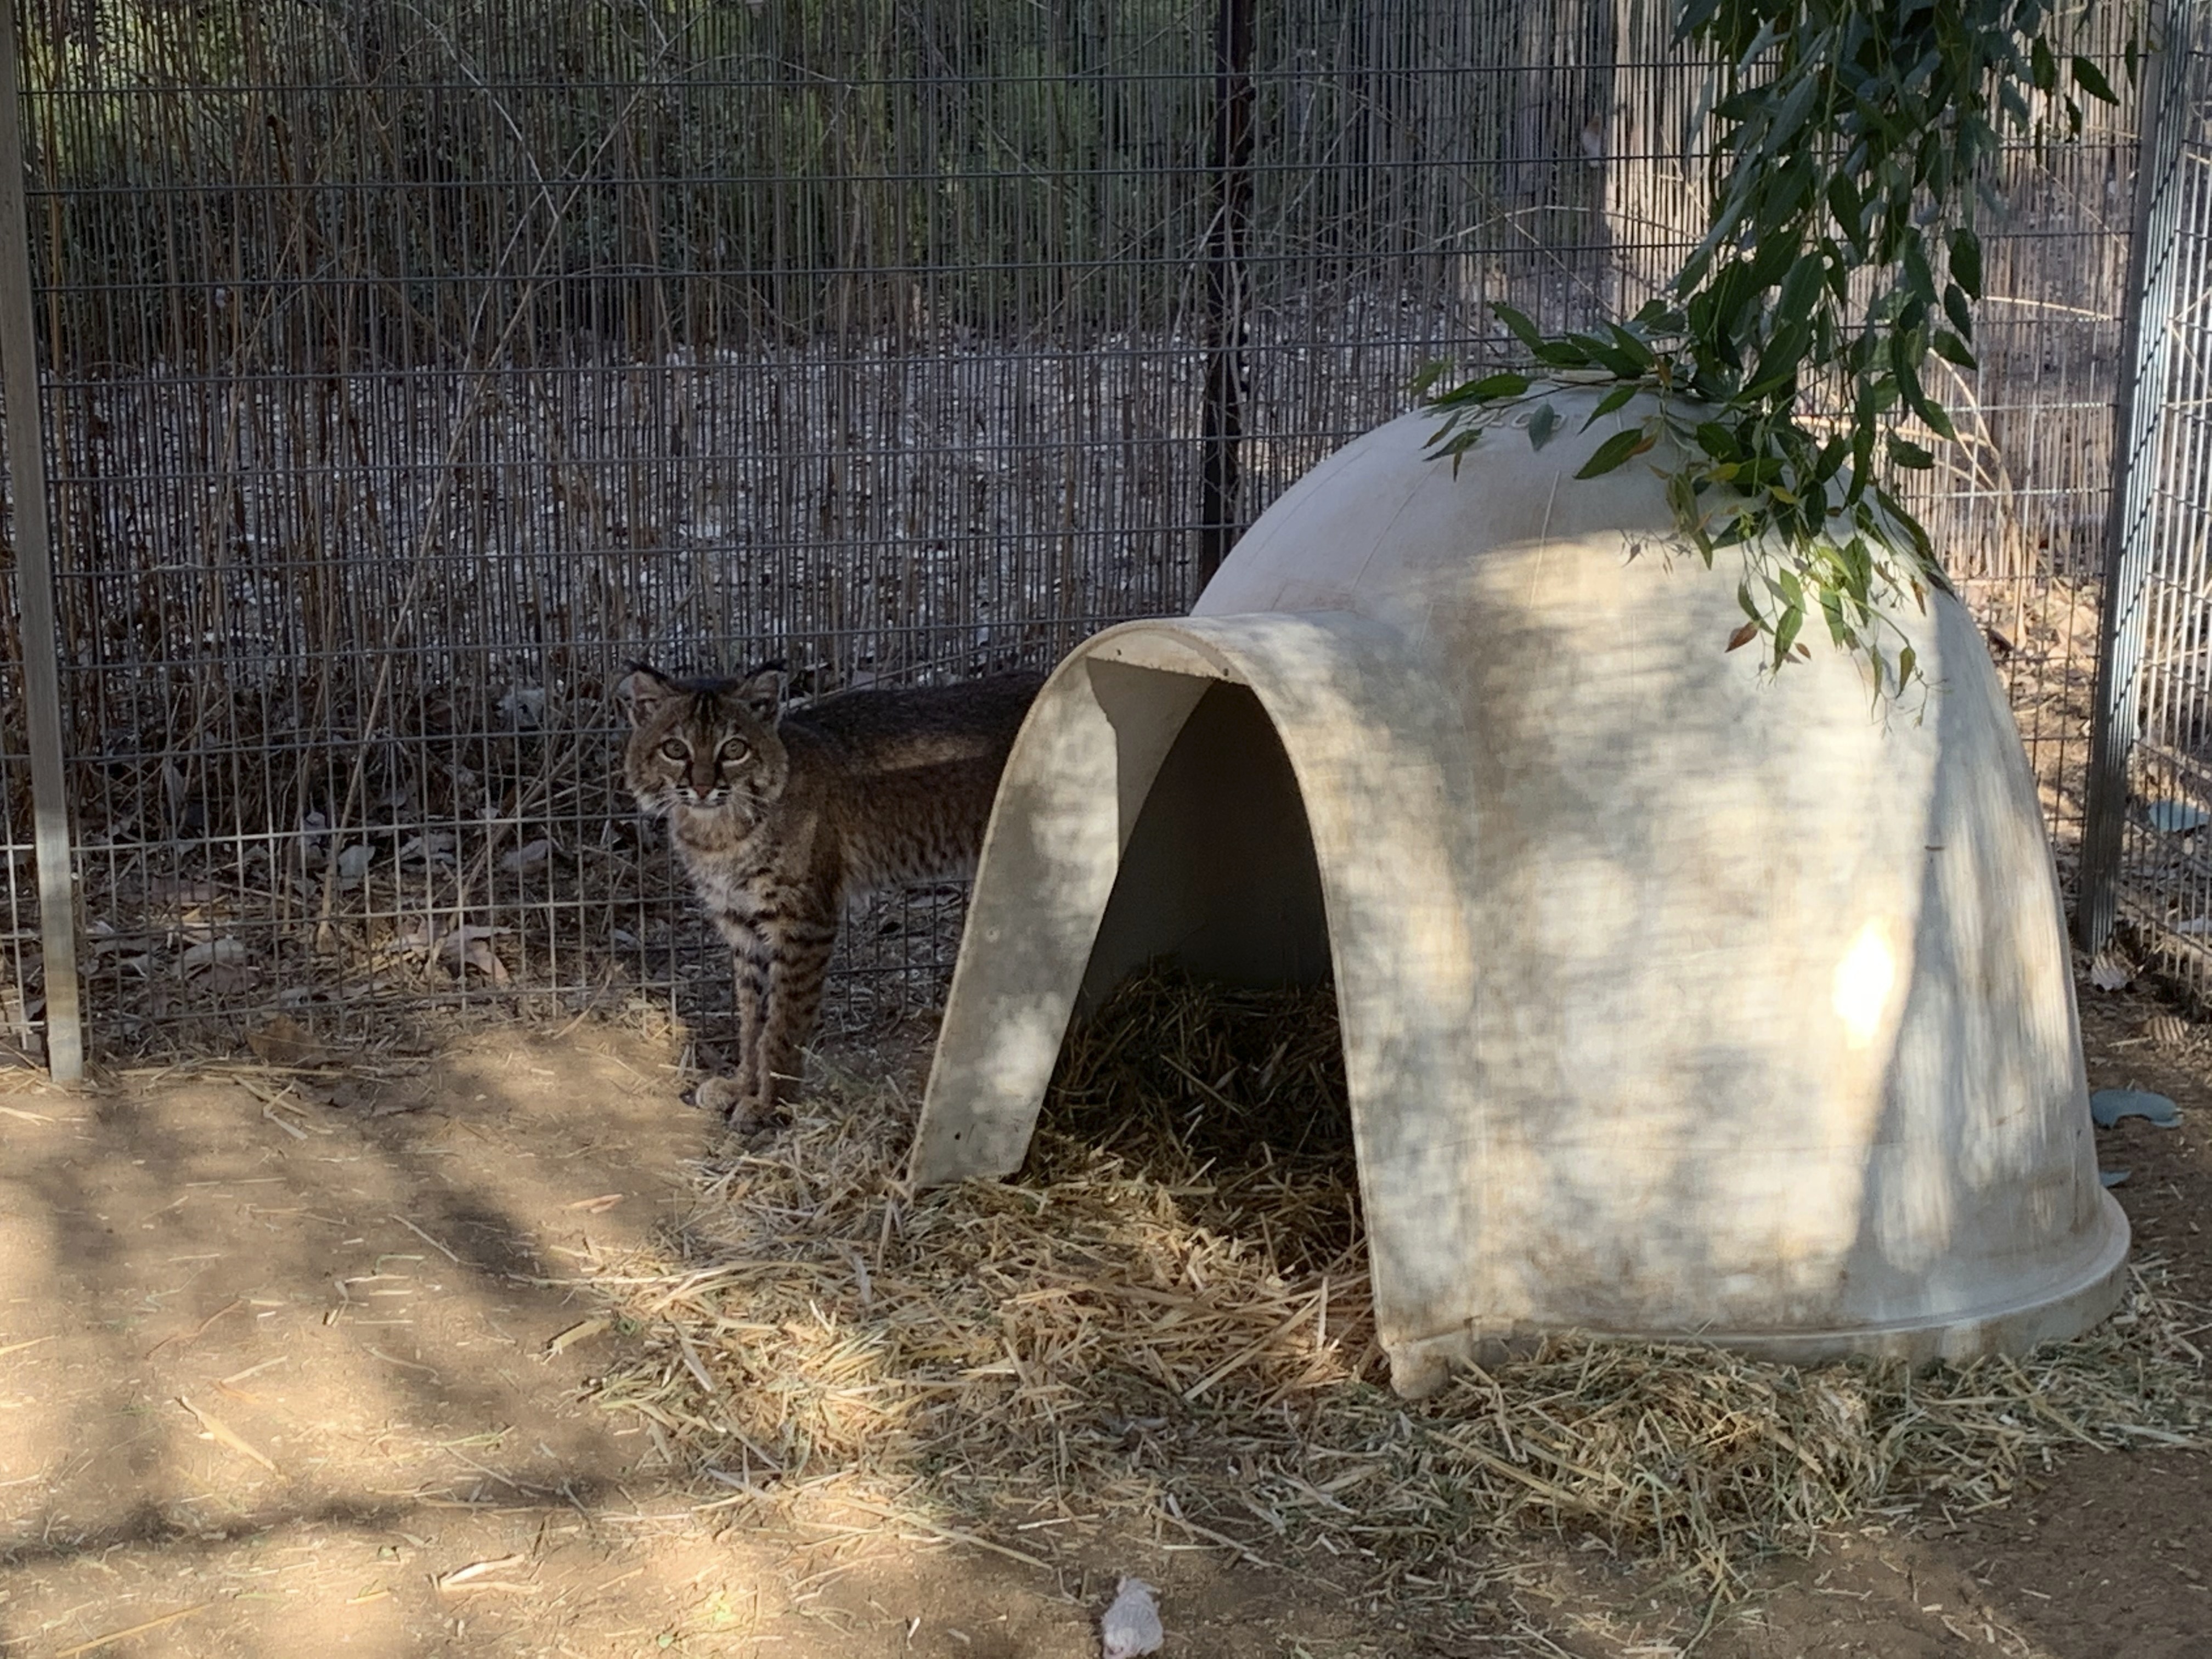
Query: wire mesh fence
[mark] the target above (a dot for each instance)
(411, 368)
(2151, 805)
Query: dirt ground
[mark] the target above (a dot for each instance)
(307, 1368)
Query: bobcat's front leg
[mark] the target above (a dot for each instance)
(799, 967)
(746, 1098)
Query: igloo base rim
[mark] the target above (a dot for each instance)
(2071, 1306)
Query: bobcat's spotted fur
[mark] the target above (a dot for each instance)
(780, 817)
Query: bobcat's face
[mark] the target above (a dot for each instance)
(705, 746)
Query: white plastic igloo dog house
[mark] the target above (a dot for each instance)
(1677, 1001)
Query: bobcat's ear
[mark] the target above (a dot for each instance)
(761, 690)
(642, 690)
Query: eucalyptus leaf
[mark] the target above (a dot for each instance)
(2042, 66)
(1956, 310)
(1853, 152)
(1524, 331)
(2091, 80)
(1616, 399)
(1491, 387)
(1953, 349)
(1905, 453)
(1786, 630)
(1918, 278)
(1610, 357)
(1615, 452)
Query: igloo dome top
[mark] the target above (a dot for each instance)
(1676, 1000)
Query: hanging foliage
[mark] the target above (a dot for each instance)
(1789, 357)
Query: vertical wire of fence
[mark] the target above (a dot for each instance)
(410, 368)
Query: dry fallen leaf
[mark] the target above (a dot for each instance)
(2110, 971)
(2168, 1031)
(481, 956)
(282, 1041)
(526, 857)
(224, 952)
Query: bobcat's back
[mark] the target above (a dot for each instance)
(908, 777)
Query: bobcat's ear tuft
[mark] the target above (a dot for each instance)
(761, 690)
(642, 690)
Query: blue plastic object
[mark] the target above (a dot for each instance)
(2109, 1106)
(2176, 817)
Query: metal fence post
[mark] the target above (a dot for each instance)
(34, 583)
(2138, 418)
(1226, 286)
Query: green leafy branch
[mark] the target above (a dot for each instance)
(1855, 145)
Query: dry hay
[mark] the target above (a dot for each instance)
(1164, 1322)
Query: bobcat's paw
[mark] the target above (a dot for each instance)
(727, 1098)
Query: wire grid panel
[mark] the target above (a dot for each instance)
(414, 368)
(2162, 617)
(2019, 507)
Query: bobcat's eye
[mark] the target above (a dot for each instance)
(735, 750)
(676, 750)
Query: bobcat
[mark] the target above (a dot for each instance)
(780, 817)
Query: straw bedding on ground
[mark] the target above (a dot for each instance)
(1163, 1322)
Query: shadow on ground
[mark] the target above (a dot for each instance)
(282, 1368)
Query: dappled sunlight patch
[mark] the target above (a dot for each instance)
(1163, 1323)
